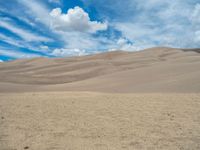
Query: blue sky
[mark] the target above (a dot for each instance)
(61, 28)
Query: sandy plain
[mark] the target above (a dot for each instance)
(99, 121)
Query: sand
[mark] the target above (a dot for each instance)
(97, 121)
(152, 70)
(146, 100)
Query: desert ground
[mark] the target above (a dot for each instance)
(97, 121)
(146, 100)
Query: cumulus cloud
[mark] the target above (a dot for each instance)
(75, 19)
(62, 52)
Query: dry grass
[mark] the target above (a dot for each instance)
(95, 121)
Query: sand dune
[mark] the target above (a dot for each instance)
(151, 70)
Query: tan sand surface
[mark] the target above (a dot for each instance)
(97, 121)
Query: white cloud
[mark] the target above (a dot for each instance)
(24, 34)
(75, 28)
(195, 16)
(134, 33)
(55, 1)
(23, 44)
(153, 22)
(74, 33)
(124, 44)
(20, 15)
(1, 61)
(44, 48)
(10, 40)
(75, 36)
(62, 52)
(16, 54)
(76, 19)
(37, 10)
(122, 41)
(144, 23)
(197, 36)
